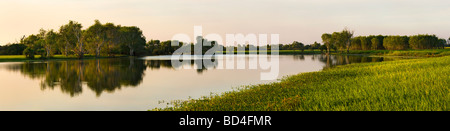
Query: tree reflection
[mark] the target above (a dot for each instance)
(334, 60)
(199, 64)
(101, 75)
(108, 75)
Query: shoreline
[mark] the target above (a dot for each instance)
(378, 86)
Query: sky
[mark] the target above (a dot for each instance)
(293, 20)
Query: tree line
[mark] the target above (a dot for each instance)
(109, 40)
(344, 40)
(98, 39)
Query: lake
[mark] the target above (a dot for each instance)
(137, 83)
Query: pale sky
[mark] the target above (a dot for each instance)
(293, 20)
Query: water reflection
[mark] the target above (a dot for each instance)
(108, 75)
(334, 60)
(101, 75)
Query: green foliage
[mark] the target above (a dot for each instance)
(133, 39)
(327, 41)
(377, 42)
(365, 43)
(356, 43)
(425, 42)
(403, 85)
(12, 49)
(396, 42)
(322, 48)
(98, 39)
(297, 46)
(29, 53)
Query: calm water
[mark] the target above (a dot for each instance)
(136, 83)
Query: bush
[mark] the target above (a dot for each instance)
(29, 53)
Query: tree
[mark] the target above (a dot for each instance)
(338, 40)
(96, 37)
(396, 42)
(322, 48)
(69, 40)
(365, 43)
(424, 41)
(113, 37)
(347, 37)
(12, 49)
(297, 46)
(80, 35)
(356, 43)
(442, 43)
(377, 42)
(326, 39)
(315, 45)
(49, 40)
(132, 38)
(32, 42)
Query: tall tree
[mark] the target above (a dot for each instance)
(96, 37)
(80, 35)
(326, 39)
(49, 40)
(338, 40)
(113, 36)
(133, 38)
(68, 37)
(347, 37)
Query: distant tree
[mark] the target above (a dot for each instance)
(315, 45)
(69, 40)
(442, 43)
(326, 39)
(297, 46)
(365, 43)
(347, 36)
(33, 44)
(49, 39)
(338, 40)
(322, 48)
(96, 38)
(377, 42)
(424, 42)
(133, 38)
(309, 47)
(356, 43)
(80, 37)
(396, 42)
(113, 37)
(12, 49)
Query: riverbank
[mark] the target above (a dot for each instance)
(411, 53)
(401, 85)
(22, 58)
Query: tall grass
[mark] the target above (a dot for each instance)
(403, 85)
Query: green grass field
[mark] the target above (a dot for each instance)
(416, 53)
(403, 85)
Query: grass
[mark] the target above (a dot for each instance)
(403, 85)
(415, 53)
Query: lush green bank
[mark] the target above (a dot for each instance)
(414, 84)
(416, 53)
(21, 58)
